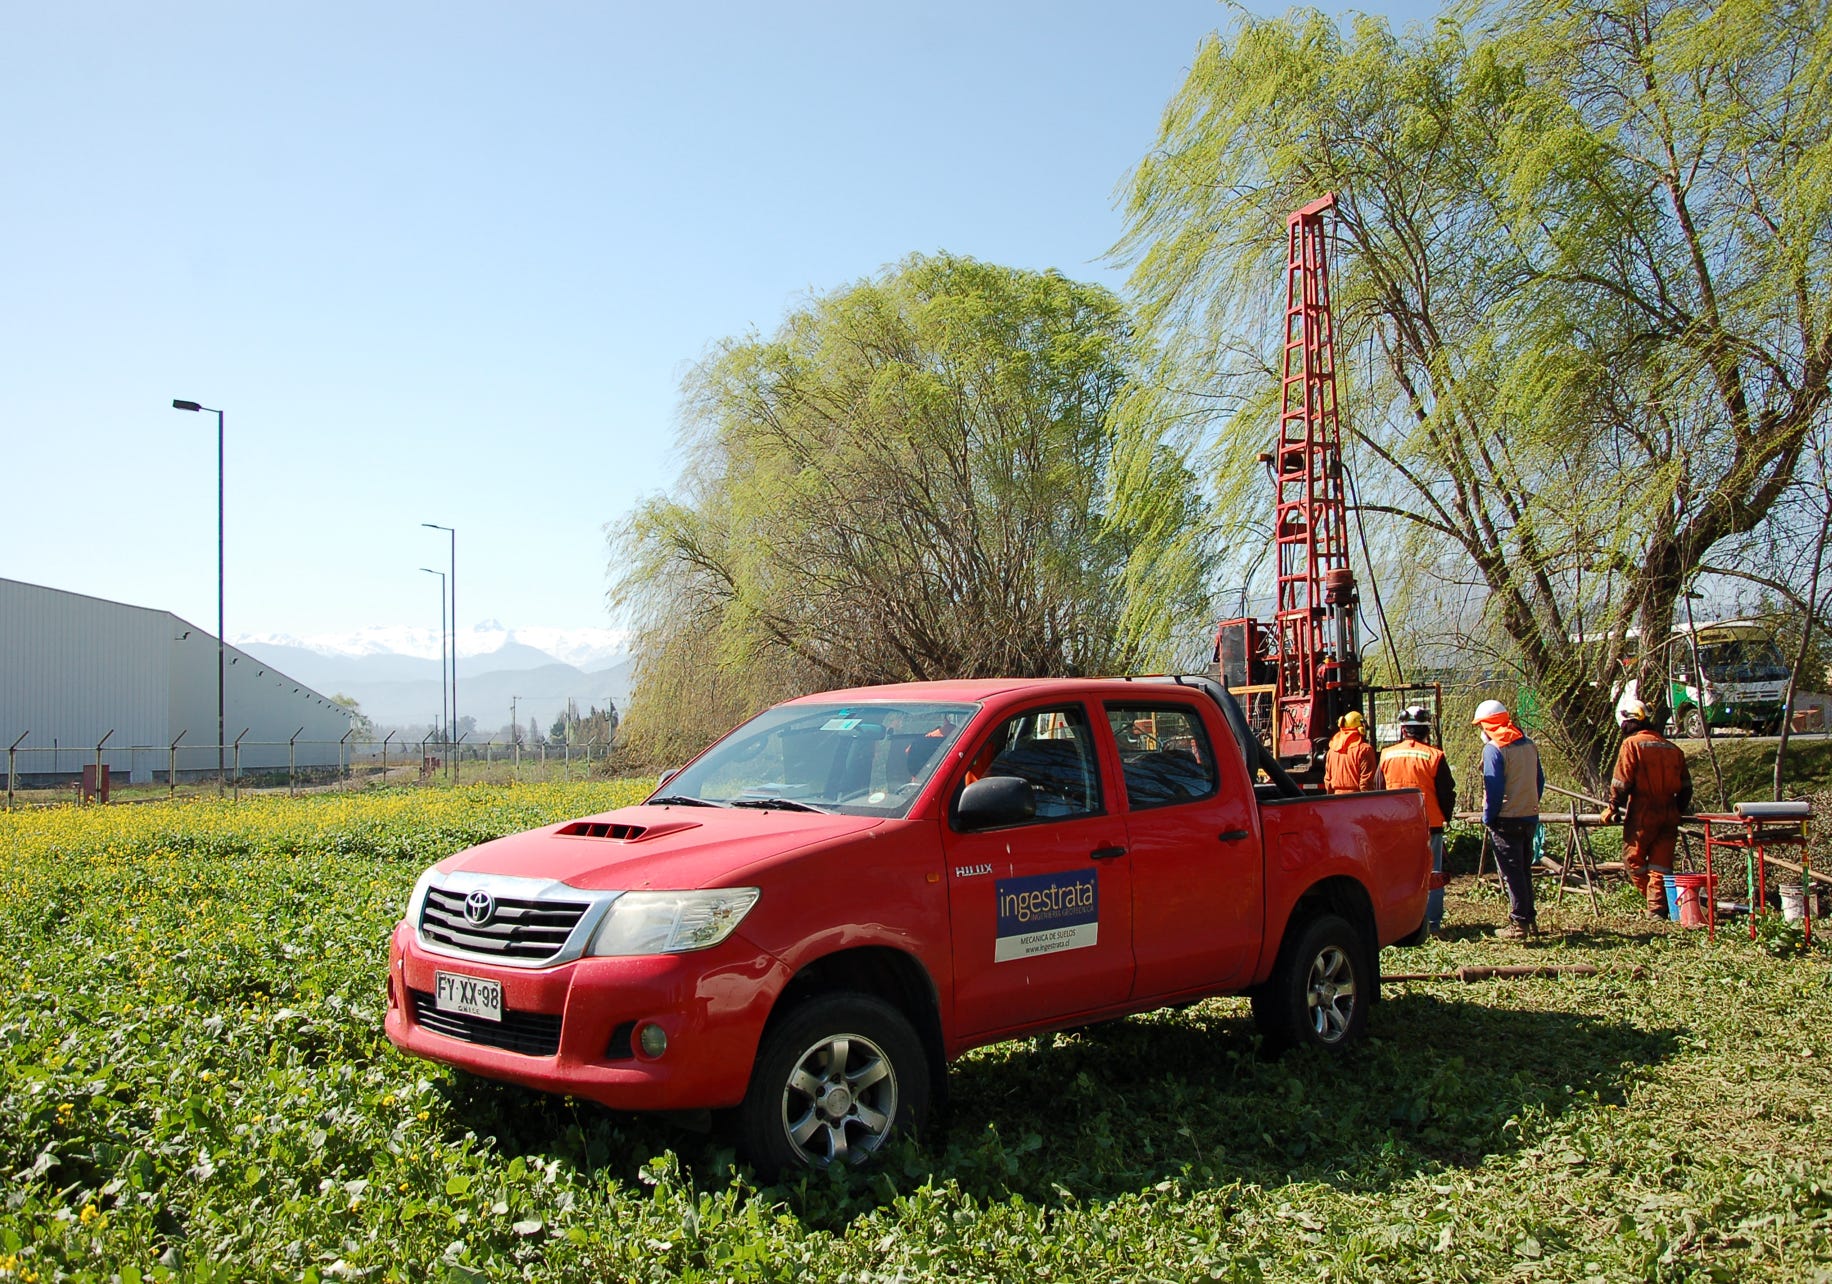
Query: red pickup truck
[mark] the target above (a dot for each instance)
(802, 927)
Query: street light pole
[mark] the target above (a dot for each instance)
(454, 595)
(443, 717)
(221, 771)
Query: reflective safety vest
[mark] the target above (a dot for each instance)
(1413, 764)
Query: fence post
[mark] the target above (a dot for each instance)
(390, 736)
(238, 765)
(100, 792)
(291, 759)
(425, 767)
(343, 757)
(9, 766)
(171, 766)
(457, 753)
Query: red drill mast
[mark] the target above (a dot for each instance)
(1304, 672)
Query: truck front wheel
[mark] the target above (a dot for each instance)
(837, 1078)
(1319, 989)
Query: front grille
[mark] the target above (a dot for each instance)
(527, 930)
(533, 1034)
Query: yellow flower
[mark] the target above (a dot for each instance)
(90, 1213)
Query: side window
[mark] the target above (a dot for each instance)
(1053, 750)
(1164, 754)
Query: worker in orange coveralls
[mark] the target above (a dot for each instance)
(1348, 768)
(1654, 786)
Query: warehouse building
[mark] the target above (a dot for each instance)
(79, 672)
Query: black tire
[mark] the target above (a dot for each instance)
(1692, 723)
(837, 1078)
(1320, 988)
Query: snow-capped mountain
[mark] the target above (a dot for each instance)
(393, 670)
(583, 648)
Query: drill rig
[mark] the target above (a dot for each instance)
(1301, 672)
(1297, 675)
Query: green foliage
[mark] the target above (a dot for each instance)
(194, 1085)
(1583, 286)
(1785, 939)
(1749, 764)
(915, 477)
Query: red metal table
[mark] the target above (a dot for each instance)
(1752, 828)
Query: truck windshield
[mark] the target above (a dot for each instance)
(1743, 660)
(857, 759)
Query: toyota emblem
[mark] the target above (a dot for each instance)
(479, 906)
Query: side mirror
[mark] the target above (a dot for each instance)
(666, 776)
(995, 802)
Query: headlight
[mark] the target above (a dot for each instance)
(417, 898)
(672, 922)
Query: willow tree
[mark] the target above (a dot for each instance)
(914, 477)
(1582, 264)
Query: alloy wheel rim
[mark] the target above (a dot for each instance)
(1330, 994)
(840, 1100)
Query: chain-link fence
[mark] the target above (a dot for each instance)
(105, 771)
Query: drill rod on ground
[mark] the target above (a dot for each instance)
(1488, 973)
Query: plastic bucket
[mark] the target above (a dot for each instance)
(1692, 889)
(1672, 899)
(1793, 902)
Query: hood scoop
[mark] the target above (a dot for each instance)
(618, 831)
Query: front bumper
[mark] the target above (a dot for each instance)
(568, 1028)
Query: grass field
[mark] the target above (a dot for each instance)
(194, 1085)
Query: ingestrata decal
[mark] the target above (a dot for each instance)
(1045, 913)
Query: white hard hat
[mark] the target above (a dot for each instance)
(1488, 709)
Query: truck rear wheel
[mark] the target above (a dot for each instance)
(834, 1081)
(1320, 987)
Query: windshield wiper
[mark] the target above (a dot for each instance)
(779, 804)
(683, 800)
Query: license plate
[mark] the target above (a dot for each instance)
(469, 995)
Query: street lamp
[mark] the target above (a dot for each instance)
(454, 593)
(221, 773)
(442, 714)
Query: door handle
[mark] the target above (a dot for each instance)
(1106, 853)
(1234, 835)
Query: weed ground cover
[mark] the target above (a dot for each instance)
(194, 1085)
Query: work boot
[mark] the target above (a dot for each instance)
(1515, 932)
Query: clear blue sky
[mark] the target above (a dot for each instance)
(448, 262)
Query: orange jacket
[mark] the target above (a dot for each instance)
(1416, 764)
(1652, 778)
(1348, 768)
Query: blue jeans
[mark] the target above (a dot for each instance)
(1434, 908)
